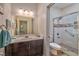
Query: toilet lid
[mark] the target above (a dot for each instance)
(55, 46)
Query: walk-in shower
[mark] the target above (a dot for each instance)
(65, 33)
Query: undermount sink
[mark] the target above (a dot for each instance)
(32, 36)
(26, 36)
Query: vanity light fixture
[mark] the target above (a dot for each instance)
(27, 13)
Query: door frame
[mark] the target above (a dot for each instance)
(47, 27)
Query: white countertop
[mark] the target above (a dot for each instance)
(23, 38)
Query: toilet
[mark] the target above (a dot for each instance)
(55, 49)
(55, 46)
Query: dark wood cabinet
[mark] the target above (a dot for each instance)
(30, 48)
(36, 47)
(21, 49)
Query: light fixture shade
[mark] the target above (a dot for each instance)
(31, 14)
(20, 12)
(26, 13)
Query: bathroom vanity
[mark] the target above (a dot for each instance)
(24, 41)
(23, 46)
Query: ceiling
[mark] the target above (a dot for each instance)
(1, 4)
(62, 5)
(24, 4)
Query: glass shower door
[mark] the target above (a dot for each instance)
(65, 33)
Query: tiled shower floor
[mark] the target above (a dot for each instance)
(66, 52)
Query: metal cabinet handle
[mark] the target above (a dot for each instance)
(29, 45)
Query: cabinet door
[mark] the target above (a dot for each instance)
(17, 49)
(8, 50)
(36, 48)
(23, 49)
(11, 50)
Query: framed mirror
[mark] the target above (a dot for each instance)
(24, 25)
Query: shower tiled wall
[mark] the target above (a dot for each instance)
(65, 37)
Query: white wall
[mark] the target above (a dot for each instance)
(72, 8)
(6, 9)
(1, 16)
(40, 19)
(42, 22)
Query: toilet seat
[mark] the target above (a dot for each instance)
(55, 46)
